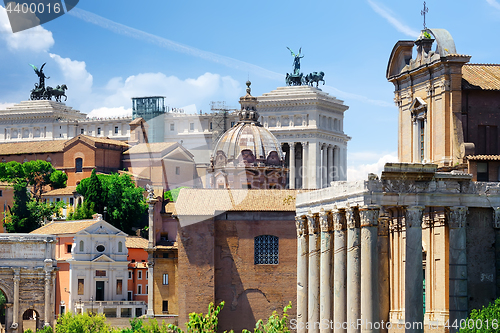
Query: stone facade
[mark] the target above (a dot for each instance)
(27, 279)
(412, 225)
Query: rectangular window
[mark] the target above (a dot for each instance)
(68, 248)
(79, 164)
(80, 286)
(129, 295)
(266, 250)
(58, 199)
(139, 289)
(165, 306)
(147, 275)
(71, 201)
(165, 279)
(165, 255)
(232, 123)
(139, 275)
(130, 275)
(63, 309)
(118, 287)
(147, 289)
(116, 129)
(177, 170)
(100, 273)
(81, 131)
(210, 125)
(172, 127)
(482, 171)
(422, 140)
(191, 126)
(1, 193)
(98, 131)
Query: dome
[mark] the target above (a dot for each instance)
(248, 143)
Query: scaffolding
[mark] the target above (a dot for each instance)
(219, 120)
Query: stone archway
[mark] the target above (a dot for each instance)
(27, 278)
(31, 320)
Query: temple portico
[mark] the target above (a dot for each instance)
(374, 248)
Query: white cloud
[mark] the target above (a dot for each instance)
(494, 4)
(361, 171)
(36, 39)
(76, 77)
(4, 106)
(401, 27)
(110, 112)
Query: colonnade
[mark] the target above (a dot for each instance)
(349, 269)
(320, 164)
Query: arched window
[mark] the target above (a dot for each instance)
(81, 246)
(266, 250)
(79, 164)
(120, 247)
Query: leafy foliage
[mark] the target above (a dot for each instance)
(427, 35)
(201, 324)
(151, 326)
(274, 324)
(82, 323)
(483, 320)
(124, 202)
(172, 195)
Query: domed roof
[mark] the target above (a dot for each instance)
(248, 142)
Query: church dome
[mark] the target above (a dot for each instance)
(248, 142)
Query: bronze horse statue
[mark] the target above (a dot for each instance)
(57, 93)
(315, 77)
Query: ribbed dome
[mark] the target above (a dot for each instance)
(250, 137)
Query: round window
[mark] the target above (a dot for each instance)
(100, 248)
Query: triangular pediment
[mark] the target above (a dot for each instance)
(103, 258)
(101, 227)
(179, 154)
(417, 104)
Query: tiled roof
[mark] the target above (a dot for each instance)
(64, 227)
(143, 148)
(34, 147)
(104, 140)
(207, 201)
(136, 242)
(481, 76)
(137, 120)
(61, 191)
(483, 157)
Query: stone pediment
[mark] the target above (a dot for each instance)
(417, 104)
(101, 228)
(178, 154)
(103, 258)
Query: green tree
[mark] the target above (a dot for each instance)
(199, 323)
(81, 323)
(274, 324)
(172, 195)
(124, 202)
(485, 320)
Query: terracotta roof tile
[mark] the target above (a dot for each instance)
(481, 76)
(207, 202)
(156, 147)
(136, 242)
(483, 157)
(35, 147)
(104, 140)
(64, 227)
(61, 191)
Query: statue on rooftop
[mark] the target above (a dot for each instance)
(46, 93)
(296, 61)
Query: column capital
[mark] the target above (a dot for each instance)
(368, 215)
(305, 143)
(301, 225)
(383, 225)
(339, 220)
(456, 216)
(324, 221)
(352, 217)
(496, 217)
(312, 223)
(413, 216)
(291, 145)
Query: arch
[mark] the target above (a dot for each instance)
(120, 247)
(81, 246)
(31, 319)
(78, 164)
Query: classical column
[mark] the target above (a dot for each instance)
(324, 167)
(302, 271)
(47, 297)
(330, 166)
(383, 270)
(313, 278)
(15, 315)
(457, 264)
(291, 161)
(325, 289)
(315, 160)
(340, 271)
(414, 293)
(369, 268)
(151, 247)
(336, 163)
(305, 156)
(353, 271)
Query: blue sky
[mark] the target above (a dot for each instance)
(194, 52)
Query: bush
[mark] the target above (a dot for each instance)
(82, 323)
(485, 320)
(201, 324)
(274, 324)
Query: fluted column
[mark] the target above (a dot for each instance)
(48, 295)
(325, 291)
(414, 309)
(353, 271)
(305, 171)
(302, 271)
(369, 268)
(383, 270)
(291, 161)
(324, 166)
(313, 278)
(340, 271)
(15, 315)
(330, 165)
(458, 264)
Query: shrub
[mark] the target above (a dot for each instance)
(484, 320)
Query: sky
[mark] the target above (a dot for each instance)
(194, 52)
